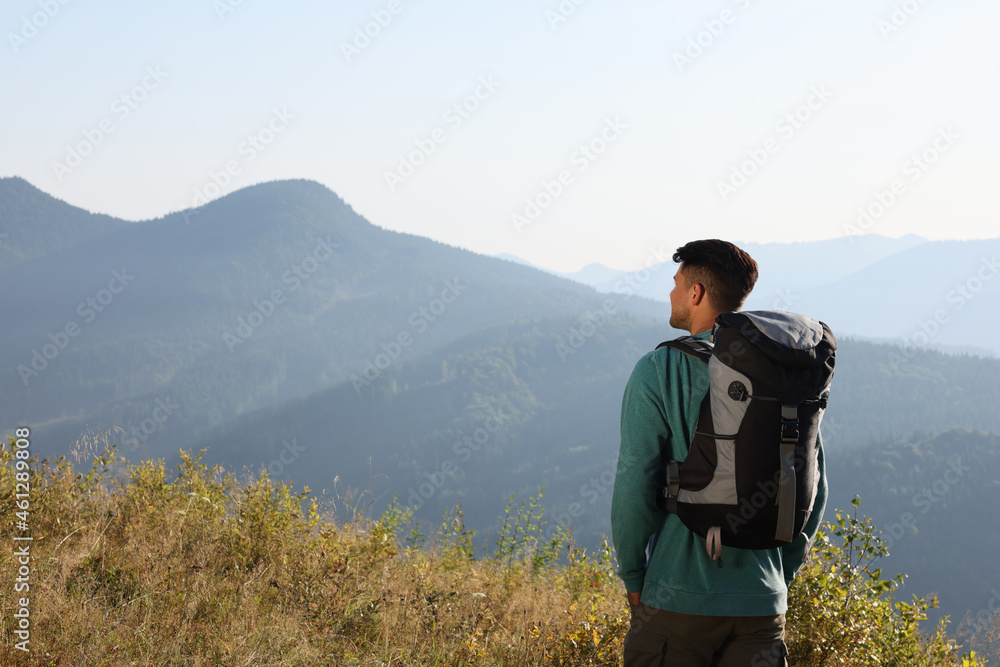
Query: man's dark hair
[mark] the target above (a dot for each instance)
(727, 273)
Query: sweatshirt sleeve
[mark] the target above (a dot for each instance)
(792, 554)
(645, 433)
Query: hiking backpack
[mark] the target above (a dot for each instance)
(751, 474)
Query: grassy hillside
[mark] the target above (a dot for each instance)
(197, 568)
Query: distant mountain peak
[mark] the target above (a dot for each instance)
(299, 189)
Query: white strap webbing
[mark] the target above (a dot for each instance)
(713, 542)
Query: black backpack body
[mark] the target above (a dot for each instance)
(751, 474)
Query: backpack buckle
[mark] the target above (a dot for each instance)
(789, 423)
(673, 487)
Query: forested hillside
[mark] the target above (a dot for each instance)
(883, 390)
(267, 294)
(33, 224)
(935, 499)
(560, 407)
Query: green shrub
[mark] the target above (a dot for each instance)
(842, 611)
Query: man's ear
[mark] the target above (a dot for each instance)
(699, 294)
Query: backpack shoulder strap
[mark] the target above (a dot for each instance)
(695, 347)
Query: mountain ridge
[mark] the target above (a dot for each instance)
(20, 200)
(261, 254)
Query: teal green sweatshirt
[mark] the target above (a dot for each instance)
(659, 410)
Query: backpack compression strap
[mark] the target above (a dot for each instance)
(786, 483)
(695, 347)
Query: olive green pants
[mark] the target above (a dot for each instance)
(658, 638)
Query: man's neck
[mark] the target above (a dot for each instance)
(703, 323)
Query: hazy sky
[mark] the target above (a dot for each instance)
(626, 123)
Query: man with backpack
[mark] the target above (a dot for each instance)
(687, 608)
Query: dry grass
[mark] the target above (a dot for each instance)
(196, 568)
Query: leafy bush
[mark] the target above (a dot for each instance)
(842, 611)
